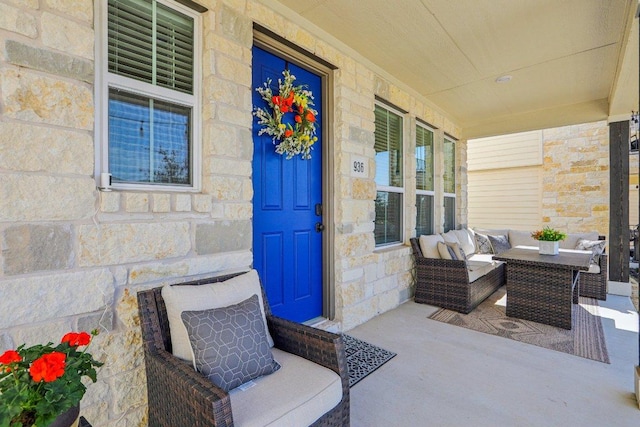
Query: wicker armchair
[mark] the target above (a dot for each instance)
(180, 396)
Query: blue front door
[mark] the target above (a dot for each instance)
(287, 206)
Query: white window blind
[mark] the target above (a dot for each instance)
(152, 43)
(389, 176)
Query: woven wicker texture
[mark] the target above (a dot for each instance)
(445, 283)
(543, 288)
(180, 396)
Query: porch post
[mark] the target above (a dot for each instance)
(619, 201)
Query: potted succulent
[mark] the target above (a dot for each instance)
(549, 239)
(42, 385)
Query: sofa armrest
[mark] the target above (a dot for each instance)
(179, 395)
(321, 347)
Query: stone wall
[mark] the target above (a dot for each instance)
(73, 257)
(576, 177)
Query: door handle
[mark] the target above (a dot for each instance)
(319, 227)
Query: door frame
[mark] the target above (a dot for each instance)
(271, 42)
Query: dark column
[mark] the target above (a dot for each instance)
(619, 201)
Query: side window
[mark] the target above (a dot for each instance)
(424, 180)
(389, 176)
(449, 184)
(149, 101)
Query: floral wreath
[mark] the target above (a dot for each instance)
(290, 139)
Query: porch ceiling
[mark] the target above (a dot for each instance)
(571, 61)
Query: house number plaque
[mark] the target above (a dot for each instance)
(359, 167)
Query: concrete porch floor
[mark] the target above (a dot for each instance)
(445, 375)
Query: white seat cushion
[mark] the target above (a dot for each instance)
(487, 258)
(429, 245)
(477, 269)
(296, 395)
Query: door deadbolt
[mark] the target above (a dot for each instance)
(319, 227)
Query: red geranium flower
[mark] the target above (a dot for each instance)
(298, 119)
(10, 356)
(49, 367)
(288, 133)
(75, 339)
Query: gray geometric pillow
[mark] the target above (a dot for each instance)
(499, 243)
(596, 247)
(484, 245)
(230, 343)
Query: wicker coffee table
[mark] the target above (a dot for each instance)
(543, 288)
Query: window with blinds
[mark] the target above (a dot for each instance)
(449, 185)
(389, 176)
(151, 103)
(424, 180)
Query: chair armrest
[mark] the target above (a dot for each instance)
(318, 346)
(179, 395)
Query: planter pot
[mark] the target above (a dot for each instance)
(67, 419)
(549, 248)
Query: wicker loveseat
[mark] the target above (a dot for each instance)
(178, 395)
(447, 283)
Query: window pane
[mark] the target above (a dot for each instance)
(148, 140)
(424, 218)
(132, 47)
(388, 224)
(449, 213)
(388, 146)
(424, 159)
(449, 166)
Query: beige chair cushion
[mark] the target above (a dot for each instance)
(572, 239)
(450, 237)
(467, 241)
(449, 250)
(202, 297)
(296, 395)
(429, 245)
(521, 238)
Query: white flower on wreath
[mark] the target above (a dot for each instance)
(297, 100)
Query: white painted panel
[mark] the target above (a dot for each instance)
(633, 205)
(506, 198)
(505, 151)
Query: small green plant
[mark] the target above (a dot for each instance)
(548, 234)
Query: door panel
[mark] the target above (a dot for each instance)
(287, 248)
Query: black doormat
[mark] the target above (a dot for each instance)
(363, 358)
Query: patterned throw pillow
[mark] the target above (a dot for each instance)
(483, 244)
(230, 343)
(451, 251)
(596, 247)
(499, 243)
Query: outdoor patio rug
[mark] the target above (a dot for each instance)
(363, 358)
(585, 339)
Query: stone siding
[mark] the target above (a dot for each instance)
(72, 257)
(576, 178)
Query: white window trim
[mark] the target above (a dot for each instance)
(392, 189)
(452, 195)
(105, 80)
(433, 171)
